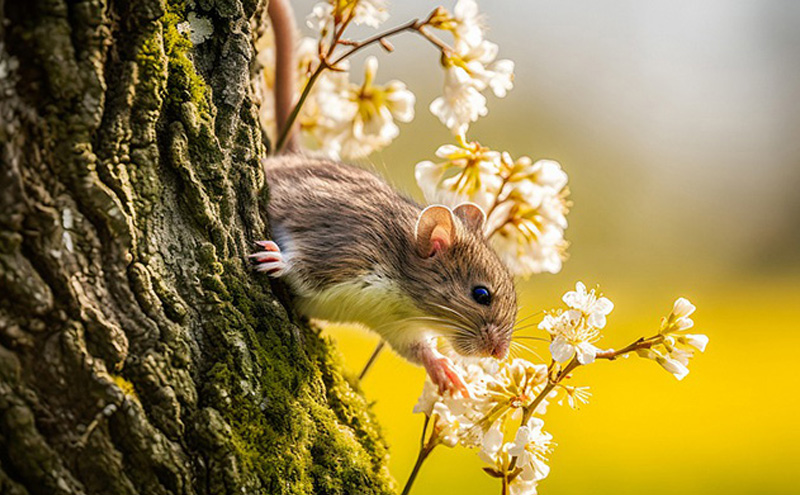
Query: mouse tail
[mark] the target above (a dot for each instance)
(284, 28)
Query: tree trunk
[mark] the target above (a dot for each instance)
(138, 352)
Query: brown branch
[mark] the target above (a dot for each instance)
(283, 25)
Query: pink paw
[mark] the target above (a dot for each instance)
(444, 375)
(270, 260)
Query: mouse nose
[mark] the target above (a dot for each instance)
(494, 342)
(500, 349)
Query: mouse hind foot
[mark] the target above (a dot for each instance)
(269, 259)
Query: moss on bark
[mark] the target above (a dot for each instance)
(138, 353)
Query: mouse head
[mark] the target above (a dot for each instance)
(461, 283)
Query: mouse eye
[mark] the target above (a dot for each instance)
(481, 295)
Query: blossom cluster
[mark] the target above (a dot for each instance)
(470, 66)
(525, 201)
(327, 16)
(499, 394)
(573, 331)
(502, 414)
(339, 117)
(674, 348)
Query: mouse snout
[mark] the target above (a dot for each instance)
(499, 350)
(496, 342)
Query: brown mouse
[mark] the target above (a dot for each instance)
(354, 250)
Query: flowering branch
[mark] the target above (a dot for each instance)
(414, 25)
(515, 394)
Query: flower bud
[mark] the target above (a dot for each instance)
(683, 308)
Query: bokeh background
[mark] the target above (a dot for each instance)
(678, 122)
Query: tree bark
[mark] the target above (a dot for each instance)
(138, 352)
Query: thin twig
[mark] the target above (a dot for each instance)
(424, 452)
(642, 343)
(372, 359)
(410, 25)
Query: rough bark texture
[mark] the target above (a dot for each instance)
(138, 354)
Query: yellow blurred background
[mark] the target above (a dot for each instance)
(678, 123)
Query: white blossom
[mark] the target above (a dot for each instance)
(468, 172)
(307, 61)
(499, 391)
(491, 444)
(468, 22)
(360, 119)
(525, 245)
(683, 308)
(470, 68)
(531, 445)
(461, 102)
(323, 15)
(594, 308)
(502, 77)
(528, 218)
(672, 365)
(698, 341)
(520, 486)
(449, 426)
(575, 396)
(573, 331)
(679, 319)
(372, 13)
(573, 337)
(524, 200)
(343, 119)
(429, 397)
(479, 63)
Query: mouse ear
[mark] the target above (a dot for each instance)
(471, 215)
(435, 230)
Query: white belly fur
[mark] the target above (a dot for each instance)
(373, 301)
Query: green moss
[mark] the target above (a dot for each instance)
(150, 59)
(184, 82)
(308, 432)
(126, 387)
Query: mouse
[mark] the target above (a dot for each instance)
(352, 249)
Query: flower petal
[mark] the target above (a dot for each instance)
(561, 350)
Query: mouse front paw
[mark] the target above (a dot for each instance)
(444, 375)
(269, 259)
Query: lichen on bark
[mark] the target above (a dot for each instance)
(138, 353)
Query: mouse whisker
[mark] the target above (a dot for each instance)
(523, 327)
(523, 346)
(448, 326)
(438, 321)
(460, 317)
(528, 337)
(520, 320)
